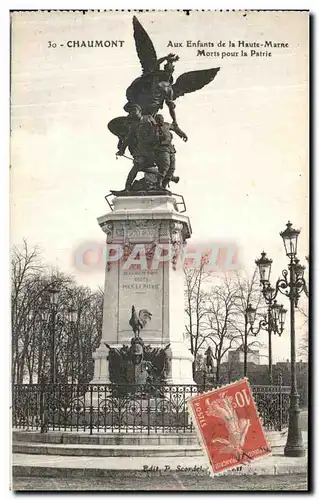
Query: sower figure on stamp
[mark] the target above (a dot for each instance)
(165, 150)
(142, 134)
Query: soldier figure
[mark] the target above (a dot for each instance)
(142, 136)
(165, 150)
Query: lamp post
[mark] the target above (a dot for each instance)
(291, 284)
(44, 314)
(54, 296)
(273, 323)
(245, 345)
(52, 317)
(72, 314)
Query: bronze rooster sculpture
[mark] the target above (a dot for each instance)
(137, 322)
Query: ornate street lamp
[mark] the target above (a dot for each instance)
(264, 266)
(290, 238)
(291, 284)
(279, 317)
(251, 314)
(273, 323)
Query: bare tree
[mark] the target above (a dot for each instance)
(216, 316)
(221, 315)
(195, 308)
(247, 292)
(33, 350)
(26, 271)
(88, 328)
(304, 341)
(75, 338)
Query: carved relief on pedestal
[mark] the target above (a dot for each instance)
(131, 232)
(150, 250)
(142, 229)
(107, 228)
(164, 231)
(128, 233)
(119, 231)
(177, 240)
(127, 250)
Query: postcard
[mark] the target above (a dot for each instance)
(159, 198)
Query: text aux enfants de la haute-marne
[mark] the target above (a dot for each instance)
(252, 49)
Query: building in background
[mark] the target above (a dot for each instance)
(236, 356)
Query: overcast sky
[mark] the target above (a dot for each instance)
(244, 169)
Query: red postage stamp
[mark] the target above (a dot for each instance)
(229, 426)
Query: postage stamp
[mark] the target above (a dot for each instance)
(229, 426)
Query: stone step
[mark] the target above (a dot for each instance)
(107, 450)
(55, 437)
(120, 445)
(91, 467)
(275, 438)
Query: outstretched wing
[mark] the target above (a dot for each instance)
(144, 48)
(192, 81)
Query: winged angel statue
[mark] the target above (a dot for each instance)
(237, 427)
(143, 131)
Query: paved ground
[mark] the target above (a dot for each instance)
(287, 474)
(57, 466)
(172, 482)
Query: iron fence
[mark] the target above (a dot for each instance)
(125, 409)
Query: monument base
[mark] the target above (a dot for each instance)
(144, 285)
(181, 364)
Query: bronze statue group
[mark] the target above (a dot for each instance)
(139, 364)
(144, 132)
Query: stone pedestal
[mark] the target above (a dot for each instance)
(145, 236)
(101, 365)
